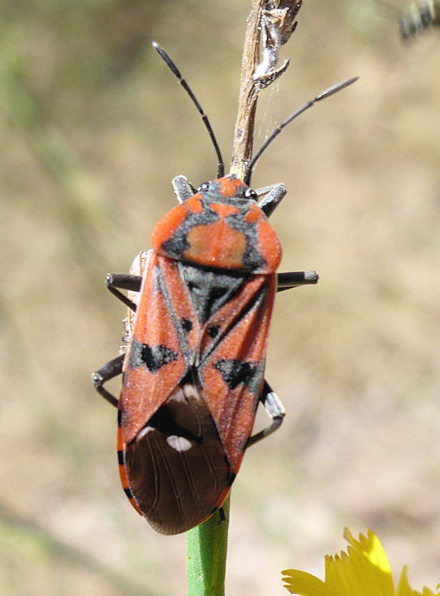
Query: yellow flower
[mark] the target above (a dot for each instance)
(363, 570)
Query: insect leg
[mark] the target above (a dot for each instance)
(293, 279)
(105, 373)
(183, 189)
(275, 410)
(124, 281)
(275, 195)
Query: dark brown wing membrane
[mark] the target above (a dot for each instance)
(180, 453)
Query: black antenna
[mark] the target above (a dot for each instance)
(176, 72)
(330, 91)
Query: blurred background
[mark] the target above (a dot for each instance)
(93, 129)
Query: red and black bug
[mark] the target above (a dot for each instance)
(193, 370)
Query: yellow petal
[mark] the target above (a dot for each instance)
(335, 575)
(404, 589)
(305, 584)
(363, 571)
(367, 566)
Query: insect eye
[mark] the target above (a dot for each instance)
(204, 186)
(250, 194)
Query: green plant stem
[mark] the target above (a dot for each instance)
(206, 555)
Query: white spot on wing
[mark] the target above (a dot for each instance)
(143, 432)
(179, 443)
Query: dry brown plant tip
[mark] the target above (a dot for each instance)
(269, 26)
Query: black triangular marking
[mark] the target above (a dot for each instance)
(235, 372)
(153, 357)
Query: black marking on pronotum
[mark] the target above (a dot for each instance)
(234, 372)
(252, 258)
(178, 244)
(153, 357)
